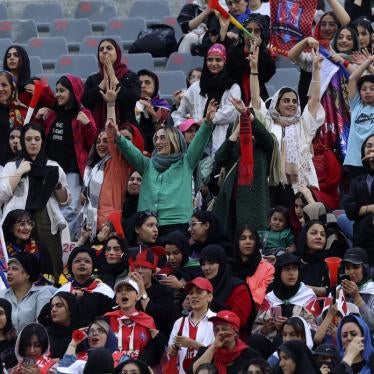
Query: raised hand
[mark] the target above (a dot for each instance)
(317, 59)
(211, 111)
(111, 126)
(111, 92)
(253, 59)
(238, 104)
(83, 118)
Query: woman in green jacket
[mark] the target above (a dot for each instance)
(248, 202)
(167, 175)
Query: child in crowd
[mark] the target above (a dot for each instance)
(136, 331)
(279, 234)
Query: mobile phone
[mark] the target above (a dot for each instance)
(29, 362)
(343, 276)
(276, 311)
(160, 276)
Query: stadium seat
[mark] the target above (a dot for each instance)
(36, 66)
(152, 10)
(4, 44)
(97, 11)
(137, 61)
(19, 31)
(127, 28)
(172, 21)
(3, 11)
(285, 77)
(51, 79)
(183, 61)
(171, 81)
(73, 30)
(90, 43)
(43, 14)
(284, 62)
(271, 90)
(49, 49)
(79, 65)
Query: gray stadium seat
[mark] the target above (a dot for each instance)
(36, 66)
(51, 79)
(151, 10)
(43, 14)
(171, 81)
(284, 62)
(4, 44)
(271, 90)
(78, 65)
(172, 21)
(49, 49)
(97, 11)
(127, 28)
(73, 30)
(285, 77)
(19, 31)
(91, 43)
(138, 61)
(183, 61)
(3, 11)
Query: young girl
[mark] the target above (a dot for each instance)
(361, 101)
(136, 331)
(195, 331)
(71, 132)
(279, 234)
(295, 328)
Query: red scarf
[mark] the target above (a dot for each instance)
(90, 289)
(246, 151)
(224, 357)
(140, 318)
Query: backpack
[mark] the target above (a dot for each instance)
(158, 40)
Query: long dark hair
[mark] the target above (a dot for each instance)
(26, 335)
(24, 71)
(10, 220)
(72, 103)
(356, 43)
(37, 127)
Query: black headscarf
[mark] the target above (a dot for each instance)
(109, 272)
(223, 283)
(264, 24)
(248, 268)
(42, 178)
(280, 290)
(302, 247)
(214, 85)
(301, 356)
(7, 306)
(24, 72)
(60, 336)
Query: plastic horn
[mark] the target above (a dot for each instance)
(39, 86)
(215, 5)
(333, 266)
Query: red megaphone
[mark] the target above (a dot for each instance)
(215, 5)
(333, 266)
(39, 87)
(115, 218)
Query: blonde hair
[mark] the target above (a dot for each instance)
(172, 138)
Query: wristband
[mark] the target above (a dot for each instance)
(111, 104)
(254, 73)
(346, 63)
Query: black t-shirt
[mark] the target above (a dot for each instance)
(60, 143)
(7, 355)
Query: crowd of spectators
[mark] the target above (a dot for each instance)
(197, 230)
